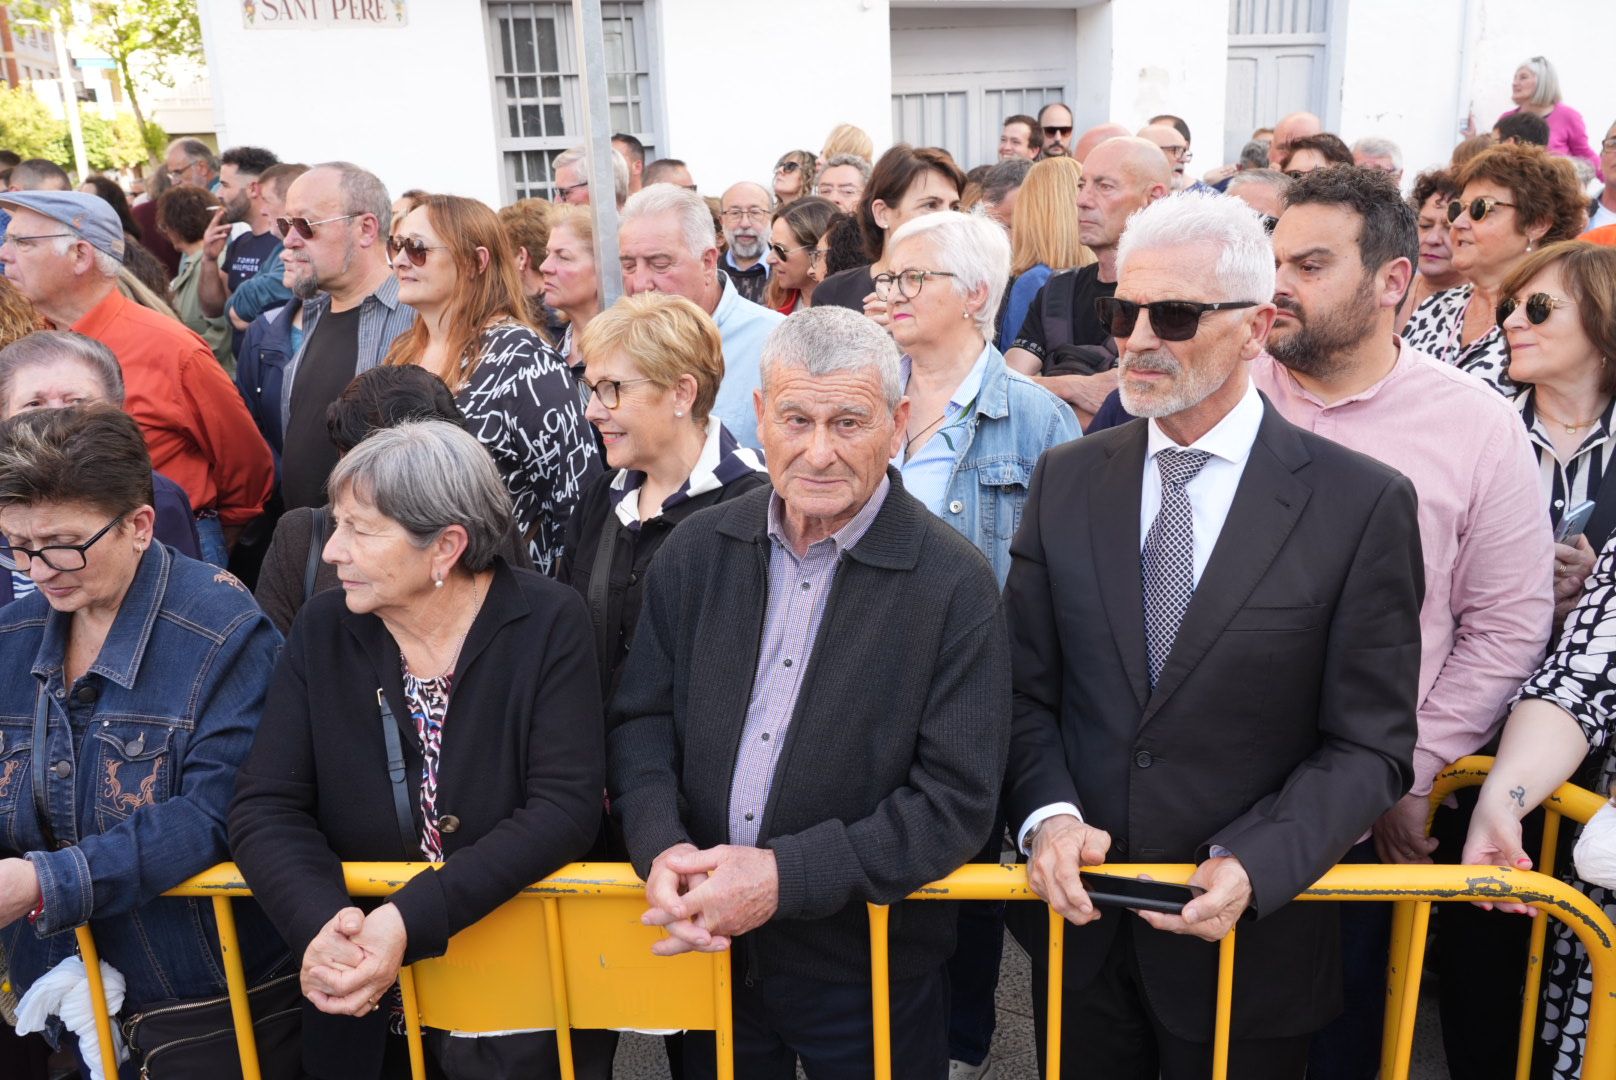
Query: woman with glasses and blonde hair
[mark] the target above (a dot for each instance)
(796, 261)
(456, 269)
(1535, 89)
(1043, 237)
(794, 175)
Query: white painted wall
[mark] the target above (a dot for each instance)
(1167, 56)
(414, 105)
(810, 65)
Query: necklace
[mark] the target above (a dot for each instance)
(909, 439)
(1570, 428)
(477, 606)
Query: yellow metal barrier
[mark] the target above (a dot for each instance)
(585, 932)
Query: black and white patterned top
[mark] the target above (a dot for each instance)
(1435, 326)
(1576, 480)
(522, 405)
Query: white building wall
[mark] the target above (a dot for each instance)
(414, 104)
(809, 65)
(1166, 56)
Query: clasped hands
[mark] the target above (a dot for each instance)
(1064, 845)
(354, 960)
(705, 898)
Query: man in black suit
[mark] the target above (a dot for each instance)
(1215, 628)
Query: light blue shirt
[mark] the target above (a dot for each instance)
(742, 326)
(926, 472)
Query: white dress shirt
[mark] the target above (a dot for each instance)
(1211, 494)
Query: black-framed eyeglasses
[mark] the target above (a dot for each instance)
(1608, 144)
(909, 283)
(305, 228)
(412, 247)
(1479, 207)
(63, 558)
(1539, 306)
(782, 253)
(610, 391)
(1051, 130)
(564, 192)
(788, 167)
(1172, 320)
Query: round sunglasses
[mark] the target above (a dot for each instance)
(1172, 320)
(1479, 208)
(1539, 306)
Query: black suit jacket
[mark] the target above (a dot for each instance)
(1282, 725)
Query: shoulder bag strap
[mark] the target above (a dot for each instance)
(39, 752)
(600, 584)
(395, 776)
(319, 532)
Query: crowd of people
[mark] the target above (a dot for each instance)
(1068, 509)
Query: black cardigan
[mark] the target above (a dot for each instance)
(630, 560)
(889, 776)
(522, 769)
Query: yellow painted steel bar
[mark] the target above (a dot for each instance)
(1056, 997)
(1397, 956)
(412, 1022)
(724, 1010)
(558, 988)
(881, 991)
(235, 978)
(1225, 1013)
(1577, 803)
(1534, 953)
(1404, 1048)
(98, 998)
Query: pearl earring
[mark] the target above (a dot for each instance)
(679, 412)
(437, 583)
(965, 314)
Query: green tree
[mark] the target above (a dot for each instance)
(27, 127)
(108, 144)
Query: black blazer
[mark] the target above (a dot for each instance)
(523, 769)
(1282, 725)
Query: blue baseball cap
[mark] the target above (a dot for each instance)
(90, 216)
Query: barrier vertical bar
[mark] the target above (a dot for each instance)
(1404, 1048)
(98, 997)
(558, 987)
(1397, 961)
(1221, 1020)
(412, 1023)
(724, 1012)
(880, 992)
(1056, 997)
(1534, 953)
(235, 978)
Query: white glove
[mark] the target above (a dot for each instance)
(64, 991)
(1596, 849)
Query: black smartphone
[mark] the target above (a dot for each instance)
(1164, 896)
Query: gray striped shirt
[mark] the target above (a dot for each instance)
(381, 319)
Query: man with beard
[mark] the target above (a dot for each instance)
(1214, 623)
(336, 230)
(745, 209)
(1345, 247)
(241, 169)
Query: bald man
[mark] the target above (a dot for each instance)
(1174, 147)
(745, 209)
(1093, 137)
(1296, 125)
(1061, 343)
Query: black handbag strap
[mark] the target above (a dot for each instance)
(600, 584)
(319, 532)
(395, 776)
(39, 754)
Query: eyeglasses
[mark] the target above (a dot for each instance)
(1539, 306)
(1051, 131)
(909, 283)
(414, 248)
(63, 558)
(22, 242)
(782, 253)
(1268, 223)
(788, 167)
(1479, 208)
(1609, 144)
(564, 193)
(1177, 153)
(1172, 320)
(846, 191)
(750, 213)
(610, 391)
(305, 227)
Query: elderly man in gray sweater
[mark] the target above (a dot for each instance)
(815, 716)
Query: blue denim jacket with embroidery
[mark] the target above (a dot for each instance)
(140, 762)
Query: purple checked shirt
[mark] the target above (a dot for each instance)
(798, 589)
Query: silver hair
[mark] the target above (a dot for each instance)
(577, 155)
(1245, 265)
(1272, 177)
(691, 210)
(362, 193)
(1548, 80)
(1379, 146)
(428, 475)
(105, 265)
(861, 164)
(1254, 155)
(1003, 178)
(197, 150)
(826, 340)
(52, 346)
(972, 247)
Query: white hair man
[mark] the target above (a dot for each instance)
(1375, 152)
(668, 244)
(571, 172)
(746, 210)
(1215, 622)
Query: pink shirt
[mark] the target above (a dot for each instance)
(1484, 528)
(1568, 135)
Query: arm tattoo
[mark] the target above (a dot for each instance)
(1519, 795)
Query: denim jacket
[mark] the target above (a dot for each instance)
(1014, 422)
(142, 752)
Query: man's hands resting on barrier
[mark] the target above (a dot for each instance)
(705, 898)
(1213, 914)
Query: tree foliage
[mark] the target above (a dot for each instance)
(30, 129)
(27, 127)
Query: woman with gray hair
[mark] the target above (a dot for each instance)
(1535, 89)
(357, 759)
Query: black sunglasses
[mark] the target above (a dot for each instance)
(304, 227)
(1052, 131)
(1172, 320)
(1479, 208)
(1539, 306)
(782, 253)
(412, 247)
(63, 558)
(788, 166)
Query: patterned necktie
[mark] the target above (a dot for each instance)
(1168, 562)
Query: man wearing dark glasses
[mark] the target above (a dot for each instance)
(1346, 245)
(1214, 623)
(1055, 124)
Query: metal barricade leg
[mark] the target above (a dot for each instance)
(1534, 953)
(412, 1023)
(558, 987)
(1220, 1028)
(1055, 1000)
(98, 996)
(1397, 967)
(880, 992)
(1403, 1046)
(724, 1007)
(224, 916)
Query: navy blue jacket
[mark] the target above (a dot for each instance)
(260, 372)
